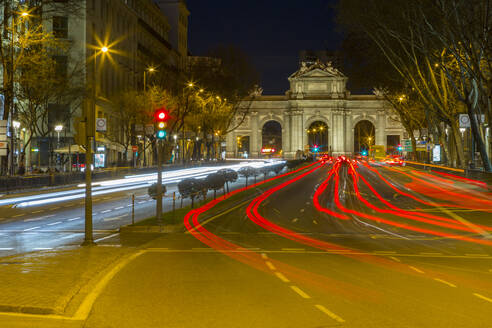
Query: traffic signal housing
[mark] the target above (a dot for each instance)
(161, 116)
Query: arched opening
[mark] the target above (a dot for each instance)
(318, 137)
(271, 138)
(364, 137)
(242, 146)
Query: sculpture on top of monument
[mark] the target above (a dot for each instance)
(326, 67)
(256, 91)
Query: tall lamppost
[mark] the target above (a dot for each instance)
(150, 70)
(90, 133)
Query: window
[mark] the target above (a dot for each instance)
(60, 27)
(61, 66)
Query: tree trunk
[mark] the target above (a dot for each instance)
(478, 139)
(458, 142)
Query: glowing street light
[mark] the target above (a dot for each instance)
(104, 49)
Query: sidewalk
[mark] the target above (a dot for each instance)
(45, 282)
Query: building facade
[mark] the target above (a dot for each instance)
(139, 34)
(317, 111)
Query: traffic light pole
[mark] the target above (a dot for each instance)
(158, 208)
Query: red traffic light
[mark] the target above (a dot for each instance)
(161, 115)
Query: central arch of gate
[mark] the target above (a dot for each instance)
(317, 109)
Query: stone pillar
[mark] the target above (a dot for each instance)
(380, 128)
(286, 128)
(297, 131)
(255, 135)
(338, 137)
(230, 144)
(349, 132)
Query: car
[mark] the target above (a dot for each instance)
(394, 160)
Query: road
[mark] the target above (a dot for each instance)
(48, 219)
(323, 248)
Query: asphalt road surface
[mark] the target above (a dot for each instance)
(339, 244)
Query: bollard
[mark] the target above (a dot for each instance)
(133, 209)
(174, 203)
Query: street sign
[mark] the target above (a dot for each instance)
(139, 128)
(464, 121)
(149, 129)
(101, 125)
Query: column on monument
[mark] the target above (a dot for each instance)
(337, 145)
(349, 132)
(230, 144)
(255, 138)
(286, 135)
(297, 131)
(380, 128)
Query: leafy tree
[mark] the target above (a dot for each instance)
(229, 176)
(246, 171)
(215, 181)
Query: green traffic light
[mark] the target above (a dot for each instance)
(161, 134)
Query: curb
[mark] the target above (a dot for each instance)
(26, 309)
(152, 229)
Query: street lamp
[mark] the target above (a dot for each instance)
(89, 132)
(150, 70)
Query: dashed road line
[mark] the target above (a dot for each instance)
(315, 222)
(6, 248)
(395, 259)
(485, 298)
(276, 211)
(300, 292)
(35, 212)
(106, 211)
(270, 265)
(55, 208)
(281, 277)
(141, 202)
(264, 256)
(33, 228)
(329, 313)
(294, 220)
(16, 216)
(119, 207)
(416, 269)
(54, 223)
(69, 236)
(73, 219)
(42, 248)
(112, 219)
(445, 282)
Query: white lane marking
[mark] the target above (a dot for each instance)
(315, 222)
(106, 211)
(34, 212)
(378, 228)
(294, 220)
(485, 298)
(107, 237)
(112, 219)
(34, 219)
(302, 210)
(270, 265)
(33, 228)
(264, 256)
(73, 219)
(6, 248)
(415, 269)
(83, 311)
(16, 216)
(395, 259)
(119, 208)
(54, 223)
(42, 248)
(445, 282)
(141, 202)
(55, 208)
(129, 205)
(281, 277)
(300, 292)
(70, 236)
(329, 313)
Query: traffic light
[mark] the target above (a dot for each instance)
(315, 148)
(400, 148)
(161, 116)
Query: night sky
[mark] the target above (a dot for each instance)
(271, 32)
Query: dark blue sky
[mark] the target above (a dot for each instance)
(271, 32)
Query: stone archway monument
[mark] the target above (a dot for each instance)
(317, 94)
